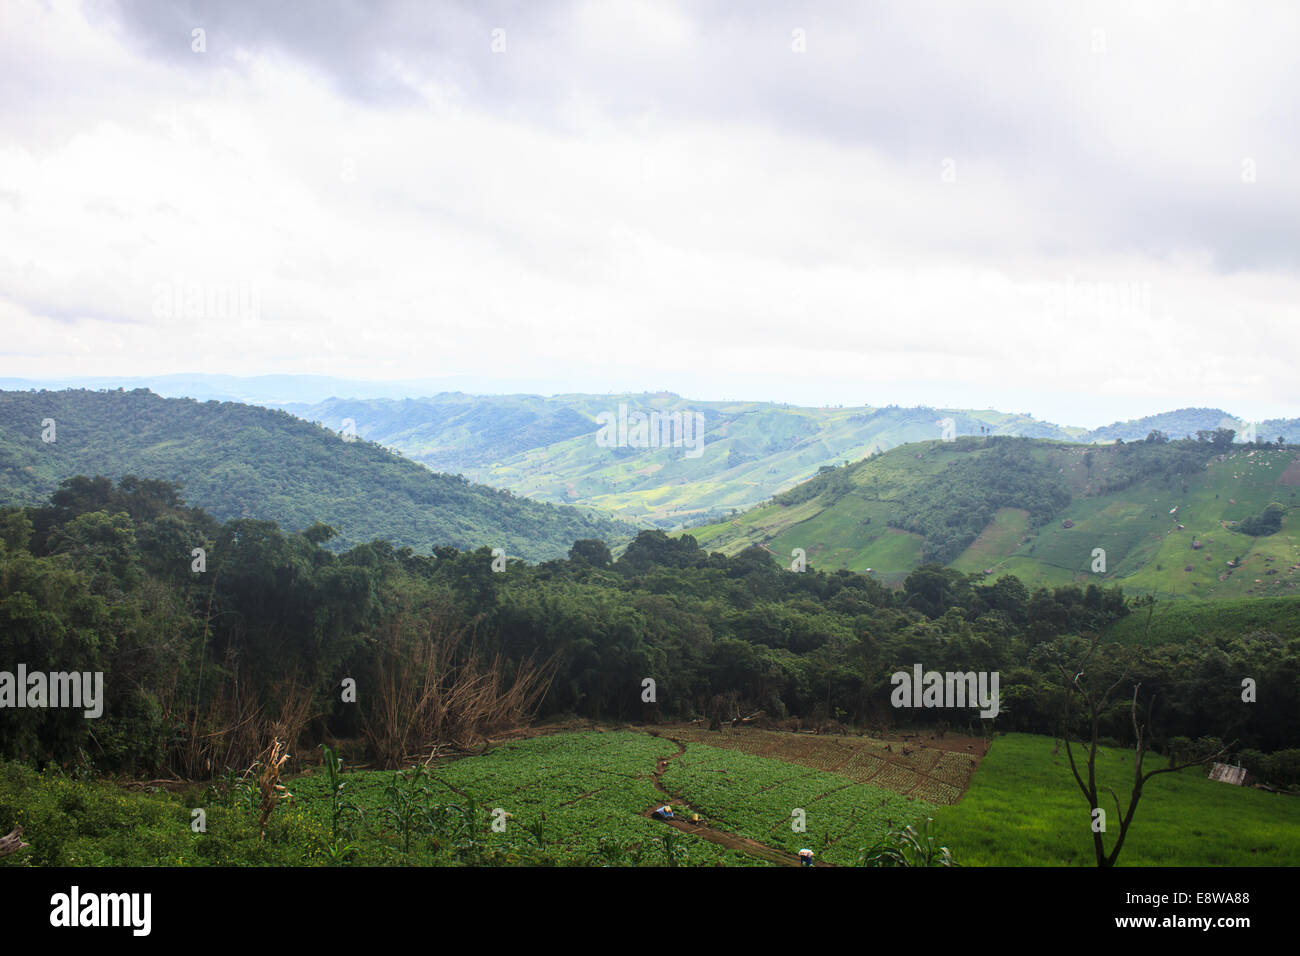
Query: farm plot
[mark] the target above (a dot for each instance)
(929, 772)
(588, 791)
(754, 797)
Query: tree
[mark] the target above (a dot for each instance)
(1220, 437)
(319, 533)
(1095, 705)
(654, 547)
(1263, 524)
(592, 551)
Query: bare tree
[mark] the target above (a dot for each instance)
(1095, 704)
(13, 842)
(433, 689)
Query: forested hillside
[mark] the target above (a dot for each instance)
(1195, 518)
(203, 665)
(242, 461)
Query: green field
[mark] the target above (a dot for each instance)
(587, 791)
(996, 542)
(1023, 808)
(756, 797)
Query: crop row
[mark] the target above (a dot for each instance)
(591, 789)
(751, 796)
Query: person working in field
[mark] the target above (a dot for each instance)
(805, 857)
(664, 813)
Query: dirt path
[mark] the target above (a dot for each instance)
(705, 832)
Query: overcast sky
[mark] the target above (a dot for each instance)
(1081, 210)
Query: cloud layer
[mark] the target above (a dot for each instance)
(1084, 211)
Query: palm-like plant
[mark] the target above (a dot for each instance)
(907, 847)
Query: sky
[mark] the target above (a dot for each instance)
(1083, 211)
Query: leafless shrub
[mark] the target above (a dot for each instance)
(434, 688)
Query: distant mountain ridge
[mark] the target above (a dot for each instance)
(546, 448)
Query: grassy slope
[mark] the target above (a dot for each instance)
(1144, 553)
(1221, 620)
(245, 461)
(1023, 808)
(545, 447)
(1000, 539)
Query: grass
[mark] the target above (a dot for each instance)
(69, 822)
(996, 542)
(1023, 808)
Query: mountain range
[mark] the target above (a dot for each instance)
(885, 488)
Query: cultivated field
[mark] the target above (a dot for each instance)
(933, 769)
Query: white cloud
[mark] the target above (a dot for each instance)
(662, 246)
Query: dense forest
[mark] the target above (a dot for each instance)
(215, 636)
(241, 461)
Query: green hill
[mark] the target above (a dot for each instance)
(1165, 514)
(244, 461)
